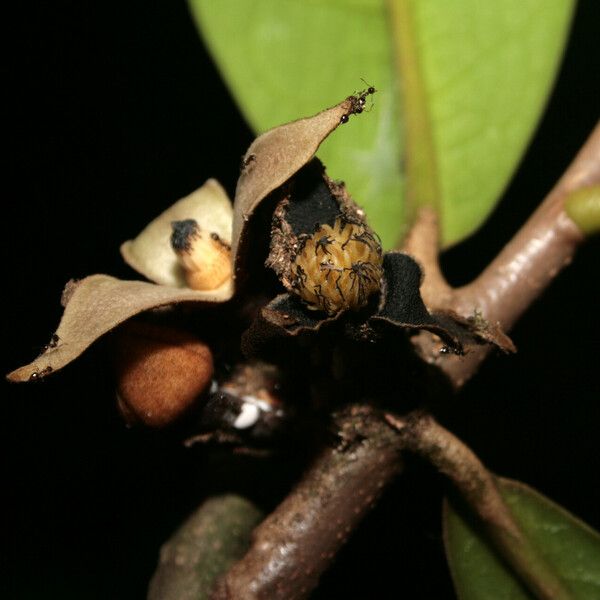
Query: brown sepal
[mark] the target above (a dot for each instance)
(401, 304)
(284, 316)
(482, 330)
(310, 199)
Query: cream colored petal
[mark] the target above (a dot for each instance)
(98, 304)
(150, 253)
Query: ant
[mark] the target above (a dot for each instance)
(247, 160)
(300, 278)
(52, 343)
(322, 299)
(365, 237)
(362, 95)
(358, 101)
(322, 243)
(363, 273)
(39, 375)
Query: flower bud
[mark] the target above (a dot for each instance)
(205, 258)
(160, 372)
(338, 268)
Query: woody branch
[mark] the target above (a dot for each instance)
(517, 276)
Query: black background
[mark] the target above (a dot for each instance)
(115, 111)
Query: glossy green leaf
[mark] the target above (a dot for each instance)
(567, 544)
(475, 77)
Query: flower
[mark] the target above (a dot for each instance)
(332, 267)
(280, 184)
(96, 305)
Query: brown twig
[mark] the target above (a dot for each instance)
(298, 541)
(517, 276)
(477, 487)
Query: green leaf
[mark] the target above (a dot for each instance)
(567, 544)
(475, 76)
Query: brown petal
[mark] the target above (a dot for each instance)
(96, 305)
(150, 253)
(273, 158)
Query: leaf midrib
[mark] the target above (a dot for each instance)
(422, 185)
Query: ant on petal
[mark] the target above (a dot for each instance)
(358, 101)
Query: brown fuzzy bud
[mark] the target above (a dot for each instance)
(160, 372)
(205, 257)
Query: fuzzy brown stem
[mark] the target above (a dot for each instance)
(522, 270)
(477, 487)
(298, 541)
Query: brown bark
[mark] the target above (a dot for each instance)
(517, 276)
(298, 541)
(477, 487)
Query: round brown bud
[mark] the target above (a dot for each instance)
(160, 372)
(338, 268)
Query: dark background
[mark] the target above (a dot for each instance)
(115, 112)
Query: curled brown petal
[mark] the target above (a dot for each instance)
(98, 304)
(273, 158)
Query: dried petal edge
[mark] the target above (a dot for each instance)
(273, 158)
(97, 305)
